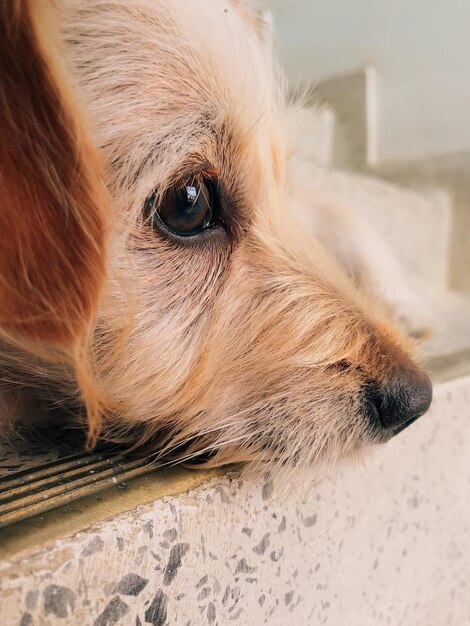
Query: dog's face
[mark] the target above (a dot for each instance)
(233, 335)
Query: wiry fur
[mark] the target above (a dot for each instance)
(248, 343)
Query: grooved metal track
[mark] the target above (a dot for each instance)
(45, 484)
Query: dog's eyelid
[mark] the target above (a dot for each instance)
(196, 170)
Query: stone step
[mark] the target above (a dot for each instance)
(338, 117)
(353, 100)
(451, 325)
(414, 224)
(384, 543)
(312, 131)
(450, 172)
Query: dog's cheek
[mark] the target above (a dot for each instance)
(159, 368)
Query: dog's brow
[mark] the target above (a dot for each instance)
(191, 165)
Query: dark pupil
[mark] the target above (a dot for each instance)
(187, 210)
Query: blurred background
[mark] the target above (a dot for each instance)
(388, 129)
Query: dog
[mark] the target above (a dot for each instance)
(153, 276)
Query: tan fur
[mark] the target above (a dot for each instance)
(234, 343)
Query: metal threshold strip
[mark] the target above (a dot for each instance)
(33, 491)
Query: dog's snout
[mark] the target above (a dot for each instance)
(404, 398)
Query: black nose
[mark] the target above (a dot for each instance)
(406, 396)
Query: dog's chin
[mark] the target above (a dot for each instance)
(272, 456)
(269, 447)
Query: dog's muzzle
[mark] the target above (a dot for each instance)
(395, 406)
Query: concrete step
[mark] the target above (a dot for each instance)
(415, 224)
(384, 543)
(312, 132)
(353, 100)
(450, 172)
(451, 325)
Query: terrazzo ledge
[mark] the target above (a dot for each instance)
(386, 542)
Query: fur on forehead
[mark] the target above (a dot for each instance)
(161, 76)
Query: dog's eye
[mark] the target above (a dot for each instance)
(186, 209)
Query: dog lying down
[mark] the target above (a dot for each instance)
(153, 278)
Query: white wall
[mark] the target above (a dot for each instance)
(421, 49)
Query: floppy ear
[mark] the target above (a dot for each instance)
(52, 199)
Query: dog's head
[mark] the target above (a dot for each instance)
(225, 332)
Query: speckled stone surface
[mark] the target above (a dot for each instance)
(387, 543)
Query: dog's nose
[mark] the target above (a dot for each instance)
(405, 397)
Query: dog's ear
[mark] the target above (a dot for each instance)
(52, 198)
